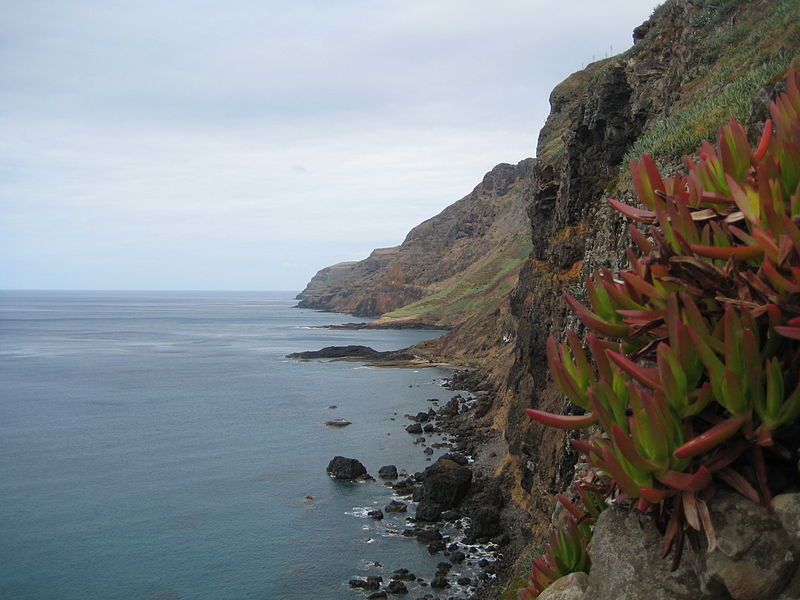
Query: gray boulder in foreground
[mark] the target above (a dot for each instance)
(569, 587)
(755, 557)
(346, 468)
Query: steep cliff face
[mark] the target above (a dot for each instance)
(694, 63)
(466, 249)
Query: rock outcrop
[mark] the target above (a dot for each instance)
(349, 469)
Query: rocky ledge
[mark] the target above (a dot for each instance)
(354, 353)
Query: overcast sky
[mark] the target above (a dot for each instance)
(238, 145)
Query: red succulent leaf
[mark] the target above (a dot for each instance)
(726, 252)
(763, 144)
(645, 376)
(685, 481)
(561, 421)
(637, 214)
(711, 437)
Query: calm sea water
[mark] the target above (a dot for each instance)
(159, 446)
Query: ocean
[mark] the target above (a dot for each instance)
(159, 446)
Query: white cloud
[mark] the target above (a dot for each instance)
(206, 145)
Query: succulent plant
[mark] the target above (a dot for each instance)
(694, 349)
(566, 549)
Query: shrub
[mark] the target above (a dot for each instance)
(695, 348)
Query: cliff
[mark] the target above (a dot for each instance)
(693, 65)
(454, 260)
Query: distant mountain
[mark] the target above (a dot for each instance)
(447, 268)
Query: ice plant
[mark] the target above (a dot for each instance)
(566, 549)
(692, 360)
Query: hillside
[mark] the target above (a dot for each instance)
(467, 255)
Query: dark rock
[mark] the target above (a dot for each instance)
(464, 581)
(422, 417)
(435, 547)
(377, 595)
(397, 588)
(429, 428)
(427, 512)
(388, 472)
(484, 522)
(457, 557)
(338, 423)
(346, 468)
(444, 566)
(450, 409)
(419, 440)
(439, 583)
(444, 485)
(395, 507)
(428, 451)
(449, 515)
(414, 428)
(373, 582)
(403, 575)
(428, 535)
(338, 352)
(457, 458)
(375, 514)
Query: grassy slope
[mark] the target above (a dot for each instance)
(470, 292)
(740, 60)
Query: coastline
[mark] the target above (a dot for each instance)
(493, 520)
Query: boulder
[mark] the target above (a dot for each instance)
(444, 485)
(626, 562)
(754, 558)
(428, 535)
(439, 582)
(375, 514)
(346, 468)
(787, 509)
(457, 458)
(338, 423)
(373, 582)
(388, 472)
(414, 428)
(395, 507)
(397, 587)
(569, 587)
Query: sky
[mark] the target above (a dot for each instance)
(246, 144)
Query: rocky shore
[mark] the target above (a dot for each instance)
(456, 507)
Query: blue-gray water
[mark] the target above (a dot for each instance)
(159, 446)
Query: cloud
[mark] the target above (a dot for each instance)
(141, 139)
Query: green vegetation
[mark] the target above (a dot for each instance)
(566, 550)
(467, 295)
(686, 127)
(733, 68)
(695, 348)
